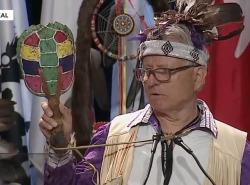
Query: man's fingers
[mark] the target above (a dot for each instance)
(45, 128)
(46, 109)
(45, 125)
(46, 133)
(49, 121)
(64, 110)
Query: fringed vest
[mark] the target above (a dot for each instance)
(224, 163)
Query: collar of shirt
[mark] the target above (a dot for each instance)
(206, 123)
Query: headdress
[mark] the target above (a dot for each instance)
(203, 19)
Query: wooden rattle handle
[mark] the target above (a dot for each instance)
(57, 138)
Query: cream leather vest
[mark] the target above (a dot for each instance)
(225, 153)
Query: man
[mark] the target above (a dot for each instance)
(153, 145)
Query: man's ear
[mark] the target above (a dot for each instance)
(200, 74)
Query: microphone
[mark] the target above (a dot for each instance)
(156, 139)
(179, 141)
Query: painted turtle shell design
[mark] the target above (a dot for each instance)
(47, 48)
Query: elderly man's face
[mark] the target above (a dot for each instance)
(181, 87)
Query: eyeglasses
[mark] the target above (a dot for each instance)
(160, 74)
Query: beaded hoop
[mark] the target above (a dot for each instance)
(123, 24)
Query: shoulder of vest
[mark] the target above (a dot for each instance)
(230, 129)
(123, 123)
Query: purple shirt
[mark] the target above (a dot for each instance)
(74, 173)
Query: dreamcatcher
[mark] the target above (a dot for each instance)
(111, 27)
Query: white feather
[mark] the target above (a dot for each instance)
(184, 3)
(189, 3)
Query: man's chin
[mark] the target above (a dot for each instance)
(158, 106)
(157, 97)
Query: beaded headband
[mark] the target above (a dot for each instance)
(173, 49)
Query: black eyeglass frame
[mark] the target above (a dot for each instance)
(170, 71)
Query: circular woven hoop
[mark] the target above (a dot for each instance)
(99, 43)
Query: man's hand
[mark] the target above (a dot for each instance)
(47, 123)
